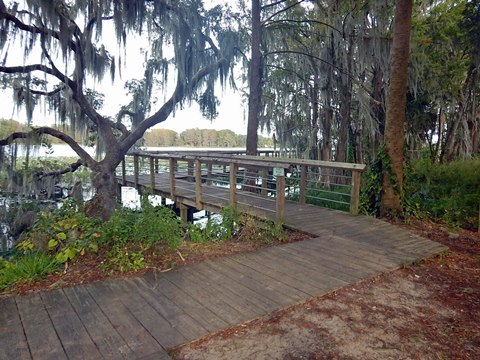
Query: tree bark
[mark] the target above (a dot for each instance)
(255, 81)
(392, 192)
(104, 201)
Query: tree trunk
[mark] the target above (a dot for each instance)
(104, 201)
(255, 80)
(392, 194)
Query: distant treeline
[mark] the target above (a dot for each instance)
(162, 137)
(200, 138)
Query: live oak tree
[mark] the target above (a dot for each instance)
(54, 51)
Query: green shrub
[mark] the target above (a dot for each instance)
(450, 192)
(152, 225)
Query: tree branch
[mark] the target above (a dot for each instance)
(87, 159)
(280, 11)
(304, 21)
(71, 168)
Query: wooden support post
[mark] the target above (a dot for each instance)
(209, 173)
(183, 214)
(172, 165)
(198, 184)
(355, 193)
(135, 170)
(157, 168)
(281, 199)
(264, 182)
(233, 185)
(303, 184)
(124, 172)
(152, 174)
(190, 170)
(119, 193)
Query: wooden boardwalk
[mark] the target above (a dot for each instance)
(141, 318)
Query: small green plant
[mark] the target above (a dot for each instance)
(123, 259)
(26, 268)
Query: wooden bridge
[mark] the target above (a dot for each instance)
(262, 185)
(141, 318)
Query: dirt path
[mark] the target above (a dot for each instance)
(429, 310)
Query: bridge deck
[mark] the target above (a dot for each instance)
(139, 318)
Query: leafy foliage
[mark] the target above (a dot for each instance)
(449, 192)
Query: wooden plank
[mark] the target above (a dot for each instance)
(334, 257)
(263, 263)
(322, 264)
(13, 341)
(287, 292)
(41, 336)
(210, 299)
(305, 274)
(204, 316)
(360, 253)
(220, 287)
(259, 287)
(130, 329)
(352, 258)
(176, 316)
(235, 287)
(73, 335)
(156, 325)
(108, 341)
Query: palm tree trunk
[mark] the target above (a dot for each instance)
(392, 194)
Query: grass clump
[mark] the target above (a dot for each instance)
(26, 268)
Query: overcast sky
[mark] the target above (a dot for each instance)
(232, 112)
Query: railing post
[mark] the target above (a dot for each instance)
(124, 172)
(135, 170)
(171, 173)
(183, 214)
(190, 170)
(233, 185)
(152, 174)
(303, 184)
(157, 169)
(280, 199)
(209, 173)
(355, 193)
(198, 184)
(264, 182)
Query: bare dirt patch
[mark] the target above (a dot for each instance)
(430, 310)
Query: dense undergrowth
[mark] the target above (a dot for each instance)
(124, 243)
(447, 192)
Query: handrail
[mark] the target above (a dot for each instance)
(255, 169)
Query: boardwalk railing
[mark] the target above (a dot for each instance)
(214, 180)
